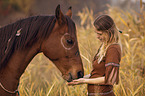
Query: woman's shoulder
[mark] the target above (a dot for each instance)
(114, 47)
(113, 51)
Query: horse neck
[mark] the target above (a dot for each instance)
(9, 76)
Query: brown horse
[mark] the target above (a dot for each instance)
(55, 36)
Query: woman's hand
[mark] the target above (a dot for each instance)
(77, 81)
(98, 80)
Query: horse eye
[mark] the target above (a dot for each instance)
(69, 41)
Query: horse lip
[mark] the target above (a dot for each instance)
(68, 77)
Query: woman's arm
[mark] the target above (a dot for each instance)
(99, 81)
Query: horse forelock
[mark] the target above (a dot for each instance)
(71, 25)
(30, 30)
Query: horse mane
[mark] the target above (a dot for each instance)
(30, 30)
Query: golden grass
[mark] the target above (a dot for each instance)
(42, 78)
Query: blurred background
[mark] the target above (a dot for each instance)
(42, 78)
(12, 10)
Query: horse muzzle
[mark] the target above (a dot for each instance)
(69, 77)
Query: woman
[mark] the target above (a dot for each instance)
(105, 71)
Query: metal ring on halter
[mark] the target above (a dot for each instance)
(64, 45)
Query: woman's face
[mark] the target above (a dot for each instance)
(102, 36)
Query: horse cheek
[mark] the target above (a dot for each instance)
(50, 49)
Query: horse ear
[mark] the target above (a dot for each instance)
(69, 12)
(59, 15)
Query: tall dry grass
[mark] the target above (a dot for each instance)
(133, 41)
(42, 78)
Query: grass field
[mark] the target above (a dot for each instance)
(42, 78)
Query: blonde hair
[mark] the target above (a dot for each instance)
(106, 24)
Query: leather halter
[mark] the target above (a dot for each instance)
(11, 92)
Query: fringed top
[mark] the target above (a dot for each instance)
(108, 67)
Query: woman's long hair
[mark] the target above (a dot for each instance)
(106, 24)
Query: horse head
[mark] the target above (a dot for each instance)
(61, 47)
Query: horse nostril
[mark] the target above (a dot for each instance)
(80, 74)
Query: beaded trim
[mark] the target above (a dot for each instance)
(114, 64)
(100, 93)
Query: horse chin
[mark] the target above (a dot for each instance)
(67, 77)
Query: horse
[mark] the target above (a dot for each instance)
(54, 36)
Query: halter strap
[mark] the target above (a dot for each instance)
(11, 92)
